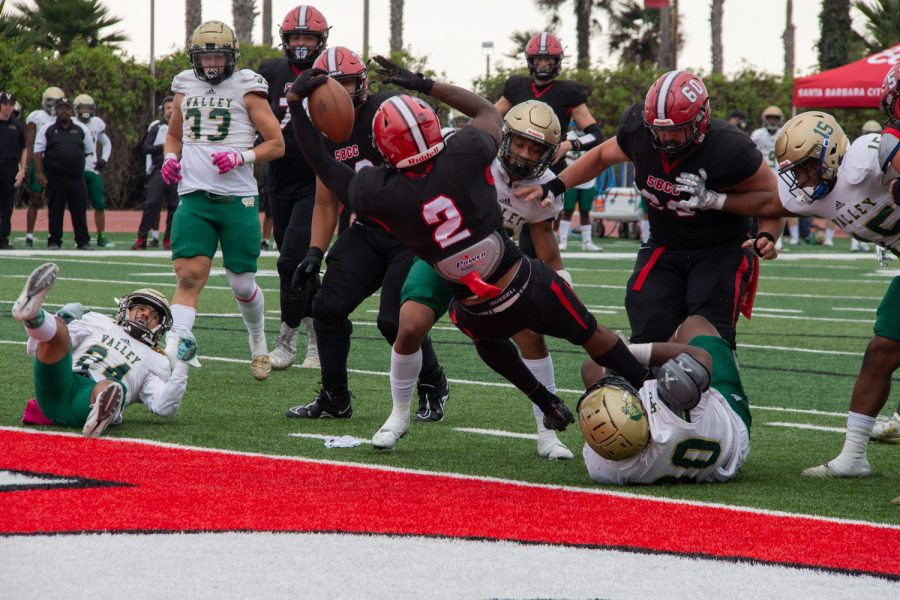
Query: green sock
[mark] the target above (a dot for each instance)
(37, 321)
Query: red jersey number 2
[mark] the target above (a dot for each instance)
(442, 210)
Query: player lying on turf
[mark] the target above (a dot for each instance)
(690, 424)
(439, 200)
(87, 372)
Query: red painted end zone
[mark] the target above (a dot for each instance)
(175, 489)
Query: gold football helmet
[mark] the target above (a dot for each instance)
(49, 98)
(138, 330)
(772, 118)
(213, 38)
(612, 419)
(809, 150)
(84, 107)
(535, 121)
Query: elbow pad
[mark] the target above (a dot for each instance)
(681, 381)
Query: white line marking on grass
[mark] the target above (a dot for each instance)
(94, 262)
(120, 282)
(804, 350)
(497, 433)
(319, 436)
(484, 478)
(621, 288)
(821, 280)
(803, 411)
(852, 309)
(807, 426)
(801, 318)
(777, 310)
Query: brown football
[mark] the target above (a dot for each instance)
(331, 111)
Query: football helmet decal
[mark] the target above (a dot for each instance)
(213, 38)
(676, 111)
(49, 98)
(612, 419)
(809, 149)
(342, 64)
(139, 330)
(303, 19)
(532, 120)
(544, 44)
(84, 107)
(406, 132)
(772, 118)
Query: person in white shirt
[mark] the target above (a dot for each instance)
(764, 138)
(88, 370)
(689, 424)
(84, 112)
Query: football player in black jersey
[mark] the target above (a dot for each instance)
(364, 258)
(697, 261)
(292, 184)
(567, 98)
(441, 203)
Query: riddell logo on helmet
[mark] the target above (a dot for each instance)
(661, 185)
(535, 133)
(431, 152)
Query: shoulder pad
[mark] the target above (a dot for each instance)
(253, 81)
(181, 81)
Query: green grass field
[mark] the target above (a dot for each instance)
(799, 357)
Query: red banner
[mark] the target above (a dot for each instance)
(856, 85)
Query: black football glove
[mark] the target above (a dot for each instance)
(101, 164)
(394, 73)
(558, 417)
(307, 269)
(308, 81)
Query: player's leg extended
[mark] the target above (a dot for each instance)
(35, 202)
(97, 196)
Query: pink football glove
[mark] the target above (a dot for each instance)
(227, 161)
(171, 171)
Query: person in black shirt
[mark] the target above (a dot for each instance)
(12, 164)
(568, 99)
(157, 190)
(439, 200)
(292, 184)
(697, 261)
(364, 258)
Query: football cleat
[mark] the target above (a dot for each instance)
(326, 405)
(563, 243)
(590, 247)
(260, 366)
(432, 400)
(549, 446)
(285, 350)
(835, 469)
(896, 500)
(887, 431)
(389, 434)
(558, 417)
(28, 305)
(106, 406)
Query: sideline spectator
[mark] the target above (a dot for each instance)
(33, 123)
(13, 159)
(157, 190)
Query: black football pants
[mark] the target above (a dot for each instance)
(71, 191)
(157, 194)
(292, 227)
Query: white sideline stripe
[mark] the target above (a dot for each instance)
(320, 436)
(807, 426)
(482, 478)
(497, 433)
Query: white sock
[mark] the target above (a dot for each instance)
(645, 230)
(585, 234)
(404, 374)
(253, 309)
(859, 427)
(29, 236)
(542, 369)
(829, 235)
(564, 227)
(183, 316)
(795, 231)
(45, 331)
(154, 234)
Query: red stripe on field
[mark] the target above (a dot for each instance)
(178, 489)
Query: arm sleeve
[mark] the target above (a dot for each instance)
(335, 175)
(592, 137)
(106, 144)
(163, 398)
(89, 147)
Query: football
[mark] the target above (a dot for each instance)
(331, 111)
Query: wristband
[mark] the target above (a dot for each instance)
(641, 352)
(720, 202)
(249, 157)
(576, 145)
(171, 155)
(765, 235)
(555, 186)
(316, 252)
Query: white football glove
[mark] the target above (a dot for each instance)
(701, 198)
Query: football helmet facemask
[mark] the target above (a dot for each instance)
(532, 120)
(544, 44)
(612, 419)
(213, 38)
(84, 107)
(303, 19)
(344, 64)
(49, 98)
(772, 118)
(676, 102)
(406, 132)
(139, 330)
(812, 143)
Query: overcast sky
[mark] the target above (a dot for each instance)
(452, 37)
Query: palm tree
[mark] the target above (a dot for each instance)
(267, 23)
(584, 22)
(882, 28)
(715, 20)
(788, 37)
(396, 26)
(244, 14)
(520, 41)
(634, 33)
(192, 18)
(835, 33)
(55, 24)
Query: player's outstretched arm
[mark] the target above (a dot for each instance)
(264, 119)
(335, 175)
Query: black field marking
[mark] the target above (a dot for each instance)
(54, 481)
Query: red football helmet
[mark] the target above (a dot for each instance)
(890, 92)
(303, 19)
(343, 63)
(677, 102)
(406, 132)
(547, 45)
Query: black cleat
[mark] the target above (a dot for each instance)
(432, 400)
(558, 417)
(326, 405)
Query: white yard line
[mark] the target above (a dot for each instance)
(497, 433)
(807, 426)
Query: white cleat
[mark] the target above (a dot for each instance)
(887, 431)
(28, 305)
(388, 436)
(549, 446)
(106, 406)
(260, 366)
(779, 245)
(312, 348)
(563, 244)
(828, 243)
(590, 247)
(837, 470)
(285, 351)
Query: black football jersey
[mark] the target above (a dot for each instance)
(441, 212)
(563, 95)
(728, 156)
(290, 174)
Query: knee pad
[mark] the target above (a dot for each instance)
(332, 329)
(329, 309)
(389, 329)
(286, 266)
(243, 285)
